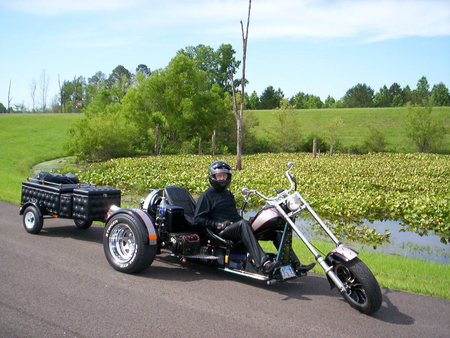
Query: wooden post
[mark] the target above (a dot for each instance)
(200, 146)
(157, 139)
(213, 143)
(314, 147)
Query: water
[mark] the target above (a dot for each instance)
(407, 243)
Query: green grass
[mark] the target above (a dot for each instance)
(28, 139)
(356, 122)
(391, 271)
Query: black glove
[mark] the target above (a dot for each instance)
(222, 225)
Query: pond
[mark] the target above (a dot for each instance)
(402, 243)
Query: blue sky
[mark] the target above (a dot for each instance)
(321, 47)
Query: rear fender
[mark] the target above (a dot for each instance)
(26, 205)
(143, 219)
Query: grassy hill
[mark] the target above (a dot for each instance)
(356, 122)
(28, 139)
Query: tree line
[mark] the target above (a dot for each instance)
(181, 106)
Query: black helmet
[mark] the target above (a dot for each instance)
(216, 168)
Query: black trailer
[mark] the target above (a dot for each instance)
(63, 196)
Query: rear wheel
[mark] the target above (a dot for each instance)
(82, 224)
(124, 244)
(32, 221)
(363, 292)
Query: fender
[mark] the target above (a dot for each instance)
(142, 218)
(341, 254)
(27, 204)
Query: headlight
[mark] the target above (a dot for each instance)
(294, 202)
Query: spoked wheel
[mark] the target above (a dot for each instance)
(32, 221)
(124, 245)
(82, 224)
(363, 292)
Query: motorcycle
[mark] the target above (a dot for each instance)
(133, 237)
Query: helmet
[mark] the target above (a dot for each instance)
(216, 168)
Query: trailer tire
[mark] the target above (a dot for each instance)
(32, 220)
(125, 243)
(82, 224)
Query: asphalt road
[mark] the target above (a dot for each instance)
(59, 284)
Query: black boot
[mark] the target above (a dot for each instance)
(269, 266)
(301, 269)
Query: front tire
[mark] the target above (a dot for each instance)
(363, 292)
(32, 220)
(124, 244)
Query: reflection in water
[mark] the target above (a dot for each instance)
(404, 243)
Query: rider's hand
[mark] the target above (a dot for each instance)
(222, 225)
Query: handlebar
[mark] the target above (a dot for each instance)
(292, 181)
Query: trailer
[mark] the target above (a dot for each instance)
(64, 196)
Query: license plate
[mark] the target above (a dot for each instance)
(287, 272)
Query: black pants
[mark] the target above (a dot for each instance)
(241, 230)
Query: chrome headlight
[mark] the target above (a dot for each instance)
(294, 202)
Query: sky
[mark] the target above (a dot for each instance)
(321, 47)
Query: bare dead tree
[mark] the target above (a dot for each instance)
(33, 86)
(9, 97)
(240, 115)
(44, 89)
(213, 143)
(61, 96)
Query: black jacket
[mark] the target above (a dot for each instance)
(215, 206)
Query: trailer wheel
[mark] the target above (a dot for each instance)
(124, 244)
(82, 224)
(32, 220)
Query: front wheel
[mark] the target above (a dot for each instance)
(362, 290)
(124, 245)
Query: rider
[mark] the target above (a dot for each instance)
(216, 210)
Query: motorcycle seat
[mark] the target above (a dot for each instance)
(181, 197)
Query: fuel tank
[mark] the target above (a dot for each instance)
(266, 222)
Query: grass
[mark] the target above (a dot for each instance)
(391, 271)
(30, 139)
(356, 122)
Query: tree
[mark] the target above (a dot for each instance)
(375, 141)
(359, 96)
(425, 129)
(383, 97)
(440, 96)
(254, 101)
(44, 89)
(333, 129)
(33, 86)
(423, 91)
(2, 108)
(329, 102)
(118, 82)
(217, 64)
(240, 116)
(271, 99)
(144, 70)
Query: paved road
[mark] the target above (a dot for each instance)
(59, 284)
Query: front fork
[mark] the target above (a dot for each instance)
(320, 260)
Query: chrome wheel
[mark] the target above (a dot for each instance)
(122, 243)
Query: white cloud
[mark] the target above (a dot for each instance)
(361, 20)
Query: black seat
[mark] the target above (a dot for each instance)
(181, 197)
